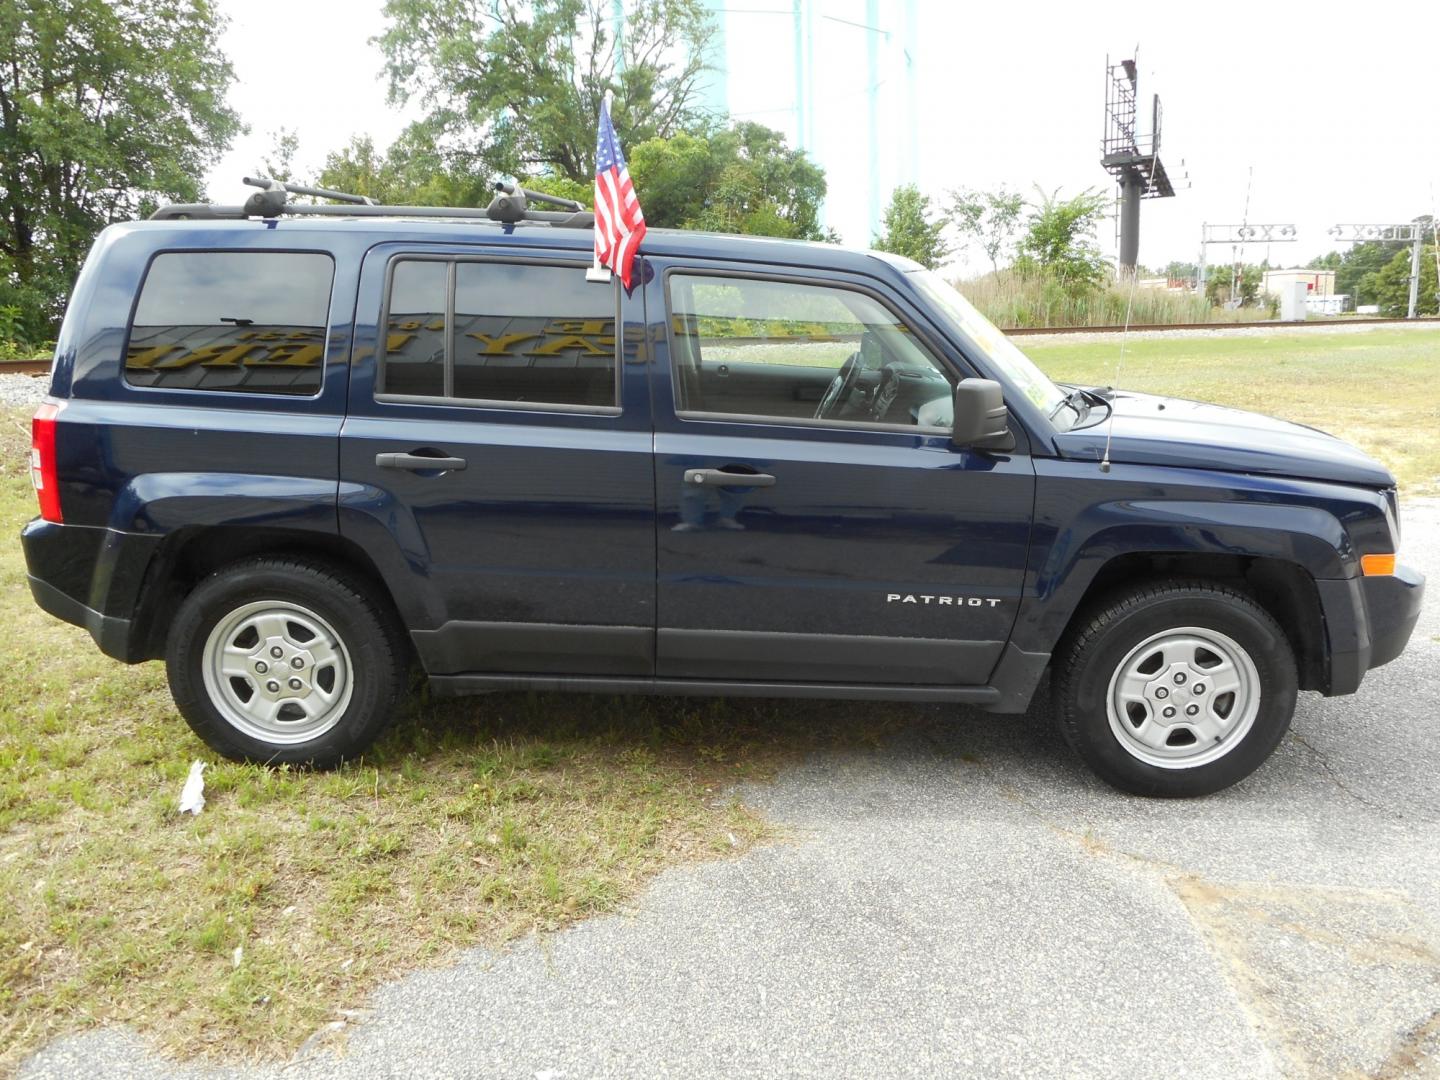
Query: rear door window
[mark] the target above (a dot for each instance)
(499, 332)
(246, 321)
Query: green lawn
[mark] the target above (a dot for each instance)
(1379, 389)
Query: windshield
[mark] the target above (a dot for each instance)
(1014, 366)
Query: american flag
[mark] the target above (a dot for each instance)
(619, 224)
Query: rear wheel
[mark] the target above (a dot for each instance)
(279, 660)
(1175, 689)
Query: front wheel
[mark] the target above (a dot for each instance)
(281, 660)
(1175, 689)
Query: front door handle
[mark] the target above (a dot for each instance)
(722, 478)
(419, 462)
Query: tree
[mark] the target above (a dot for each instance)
(106, 108)
(744, 179)
(1226, 283)
(1060, 240)
(522, 84)
(987, 218)
(1390, 285)
(909, 229)
(739, 180)
(1175, 270)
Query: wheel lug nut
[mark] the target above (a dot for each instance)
(1192, 710)
(273, 686)
(1198, 688)
(261, 666)
(1162, 692)
(1179, 678)
(295, 684)
(297, 663)
(278, 652)
(1168, 711)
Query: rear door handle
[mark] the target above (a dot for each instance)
(721, 478)
(419, 462)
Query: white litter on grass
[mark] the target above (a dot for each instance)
(238, 955)
(192, 795)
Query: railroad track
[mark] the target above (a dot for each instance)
(24, 367)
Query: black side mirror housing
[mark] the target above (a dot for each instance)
(981, 422)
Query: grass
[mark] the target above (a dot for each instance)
(1379, 389)
(1009, 300)
(244, 930)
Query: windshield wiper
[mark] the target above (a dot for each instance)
(1075, 399)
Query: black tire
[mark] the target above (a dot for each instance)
(369, 654)
(1130, 628)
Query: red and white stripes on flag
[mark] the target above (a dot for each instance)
(619, 223)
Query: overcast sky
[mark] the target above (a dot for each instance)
(1335, 106)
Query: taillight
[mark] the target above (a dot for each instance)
(42, 461)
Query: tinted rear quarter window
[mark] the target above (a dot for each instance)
(247, 321)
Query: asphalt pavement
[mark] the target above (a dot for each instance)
(968, 900)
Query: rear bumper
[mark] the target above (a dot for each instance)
(1368, 622)
(110, 633)
(91, 577)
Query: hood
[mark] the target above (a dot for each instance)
(1150, 430)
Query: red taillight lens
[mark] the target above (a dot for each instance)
(42, 461)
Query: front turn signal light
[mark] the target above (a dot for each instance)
(1377, 565)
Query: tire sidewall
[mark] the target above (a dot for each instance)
(1085, 715)
(371, 660)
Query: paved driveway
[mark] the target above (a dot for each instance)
(967, 900)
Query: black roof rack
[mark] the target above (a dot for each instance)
(510, 205)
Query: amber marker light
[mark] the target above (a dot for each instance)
(1377, 565)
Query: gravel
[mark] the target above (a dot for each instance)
(19, 390)
(967, 900)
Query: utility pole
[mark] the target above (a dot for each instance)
(1413, 234)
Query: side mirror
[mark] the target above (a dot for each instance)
(980, 419)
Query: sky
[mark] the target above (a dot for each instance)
(1314, 114)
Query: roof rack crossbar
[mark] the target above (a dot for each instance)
(304, 189)
(510, 205)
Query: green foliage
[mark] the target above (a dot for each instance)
(1011, 300)
(519, 87)
(107, 107)
(743, 179)
(1180, 271)
(1060, 243)
(1390, 285)
(909, 229)
(988, 219)
(1224, 284)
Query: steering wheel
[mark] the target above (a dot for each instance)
(840, 389)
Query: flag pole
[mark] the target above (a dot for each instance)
(597, 272)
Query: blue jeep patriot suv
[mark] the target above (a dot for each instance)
(292, 450)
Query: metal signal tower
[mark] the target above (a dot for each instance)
(1412, 234)
(1132, 161)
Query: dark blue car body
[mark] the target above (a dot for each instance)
(881, 563)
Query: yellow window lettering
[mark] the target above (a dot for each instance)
(211, 356)
(588, 327)
(397, 342)
(500, 345)
(144, 358)
(290, 356)
(570, 341)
